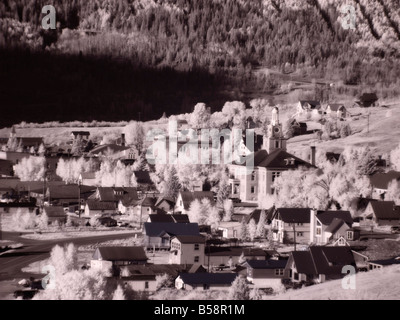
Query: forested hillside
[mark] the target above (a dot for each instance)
(228, 38)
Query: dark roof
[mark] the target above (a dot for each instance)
(327, 217)
(191, 239)
(155, 229)
(147, 202)
(120, 254)
(245, 205)
(161, 218)
(180, 218)
(88, 175)
(314, 104)
(196, 268)
(29, 141)
(360, 204)
(69, 191)
(81, 133)
(293, 215)
(100, 205)
(208, 278)
(336, 106)
(170, 269)
(277, 159)
(255, 215)
(54, 211)
(387, 262)
(127, 195)
(267, 264)
(170, 201)
(6, 167)
(382, 180)
(139, 273)
(188, 197)
(335, 225)
(331, 260)
(235, 251)
(386, 210)
(304, 262)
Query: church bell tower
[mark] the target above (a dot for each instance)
(275, 138)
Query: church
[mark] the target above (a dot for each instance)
(269, 163)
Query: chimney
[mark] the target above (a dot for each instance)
(312, 155)
(313, 214)
(123, 139)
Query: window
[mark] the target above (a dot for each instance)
(275, 175)
(253, 189)
(319, 231)
(196, 246)
(206, 286)
(299, 234)
(146, 285)
(196, 259)
(279, 272)
(253, 176)
(349, 235)
(300, 224)
(276, 144)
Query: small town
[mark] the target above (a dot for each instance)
(213, 230)
(229, 152)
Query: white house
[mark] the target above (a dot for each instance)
(95, 208)
(338, 111)
(308, 108)
(187, 249)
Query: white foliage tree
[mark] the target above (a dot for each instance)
(135, 135)
(228, 210)
(200, 117)
(239, 290)
(31, 169)
(119, 294)
(252, 229)
(395, 158)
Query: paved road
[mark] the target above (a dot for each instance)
(34, 250)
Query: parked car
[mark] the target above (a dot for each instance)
(108, 222)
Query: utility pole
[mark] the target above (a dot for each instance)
(368, 122)
(79, 198)
(294, 235)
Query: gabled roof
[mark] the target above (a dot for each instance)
(125, 194)
(386, 262)
(335, 225)
(277, 159)
(386, 210)
(208, 278)
(54, 211)
(304, 262)
(89, 175)
(170, 201)
(120, 254)
(143, 177)
(382, 180)
(293, 215)
(147, 202)
(331, 260)
(69, 191)
(139, 272)
(267, 264)
(100, 205)
(180, 218)
(327, 217)
(161, 218)
(29, 141)
(191, 239)
(313, 104)
(197, 268)
(336, 106)
(155, 229)
(188, 197)
(80, 133)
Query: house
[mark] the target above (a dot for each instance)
(185, 198)
(382, 213)
(319, 263)
(55, 213)
(205, 281)
(88, 179)
(230, 256)
(66, 195)
(95, 208)
(145, 207)
(332, 157)
(338, 111)
(326, 226)
(159, 235)
(165, 203)
(14, 207)
(268, 164)
(230, 229)
(266, 273)
(298, 128)
(26, 143)
(187, 249)
(84, 135)
(288, 223)
(6, 168)
(379, 264)
(113, 258)
(114, 194)
(308, 108)
(380, 183)
(13, 157)
(114, 151)
(139, 278)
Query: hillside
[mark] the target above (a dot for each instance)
(373, 285)
(110, 60)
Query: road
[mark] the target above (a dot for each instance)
(34, 250)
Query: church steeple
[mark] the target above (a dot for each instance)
(275, 138)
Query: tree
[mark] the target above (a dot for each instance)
(31, 169)
(119, 294)
(261, 225)
(235, 112)
(252, 229)
(63, 259)
(345, 130)
(200, 117)
(172, 185)
(78, 146)
(395, 158)
(43, 222)
(223, 191)
(239, 290)
(213, 218)
(255, 294)
(135, 135)
(243, 230)
(196, 213)
(42, 150)
(393, 192)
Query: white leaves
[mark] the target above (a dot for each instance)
(31, 169)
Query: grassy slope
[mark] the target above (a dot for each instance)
(374, 285)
